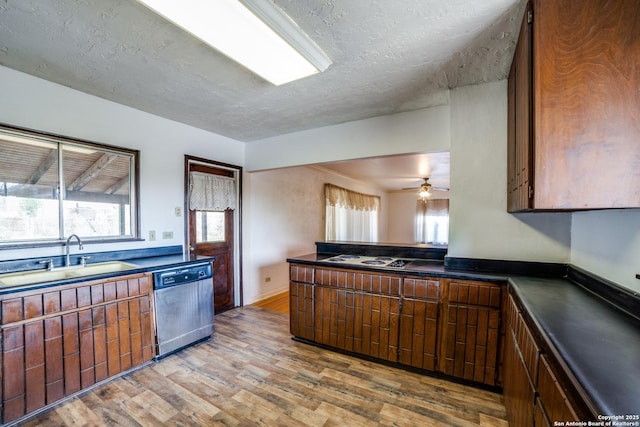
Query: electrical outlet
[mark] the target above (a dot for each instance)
(178, 211)
(152, 235)
(167, 234)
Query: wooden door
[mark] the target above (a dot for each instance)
(211, 233)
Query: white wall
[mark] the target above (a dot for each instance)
(420, 131)
(401, 219)
(480, 226)
(284, 217)
(607, 243)
(30, 102)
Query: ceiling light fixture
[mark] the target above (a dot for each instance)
(254, 33)
(425, 190)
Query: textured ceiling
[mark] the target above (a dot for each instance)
(388, 57)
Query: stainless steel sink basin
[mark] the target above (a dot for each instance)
(32, 277)
(102, 268)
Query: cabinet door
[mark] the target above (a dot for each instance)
(520, 119)
(418, 333)
(519, 392)
(471, 331)
(470, 343)
(301, 310)
(587, 104)
(419, 323)
(360, 322)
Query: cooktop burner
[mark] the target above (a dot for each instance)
(380, 261)
(374, 262)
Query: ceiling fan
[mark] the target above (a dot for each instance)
(426, 188)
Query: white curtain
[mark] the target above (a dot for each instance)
(351, 216)
(208, 192)
(432, 222)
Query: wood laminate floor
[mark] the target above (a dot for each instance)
(252, 374)
(279, 303)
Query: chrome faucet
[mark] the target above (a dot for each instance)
(67, 261)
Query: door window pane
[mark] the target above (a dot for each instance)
(210, 226)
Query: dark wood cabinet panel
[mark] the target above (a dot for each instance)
(529, 350)
(520, 151)
(554, 400)
(359, 280)
(519, 392)
(475, 293)
(400, 319)
(540, 418)
(419, 333)
(580, 119)
(470, 343)
(301, 310)
(301, 273)
(69, 338)
(471, 331)
(357, 322)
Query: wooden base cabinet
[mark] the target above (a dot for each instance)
(533, 395)
(60, 340)
(357, 312)
(448, 326)
(471, 331)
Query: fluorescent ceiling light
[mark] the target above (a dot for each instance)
(254, 33)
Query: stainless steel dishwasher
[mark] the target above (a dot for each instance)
(183, 302)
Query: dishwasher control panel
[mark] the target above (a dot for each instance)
(182, 274)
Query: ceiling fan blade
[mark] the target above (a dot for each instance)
(411, 188)
(439, 188)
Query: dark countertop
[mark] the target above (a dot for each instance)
(144, 265)
(414, 267)
(598, 342)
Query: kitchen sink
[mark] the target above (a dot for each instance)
(32, 277)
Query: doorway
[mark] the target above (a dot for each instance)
(212, 224)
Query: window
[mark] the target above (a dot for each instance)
(210, 226)
(351, 216)
(432, 222)
(52, 187)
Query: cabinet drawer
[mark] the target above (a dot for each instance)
(421, 289)
(475, 293)
(301, 274)
(359, 281)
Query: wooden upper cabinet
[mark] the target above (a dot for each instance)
(574, 107)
